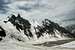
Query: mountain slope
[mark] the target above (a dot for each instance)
(21, 29)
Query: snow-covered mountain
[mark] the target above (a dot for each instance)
(21, 29)
(39, 25)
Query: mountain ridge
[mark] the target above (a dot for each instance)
(46, 27)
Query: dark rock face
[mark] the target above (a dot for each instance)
(49, 27)
(71, 28)
(21, 24)
(2, 33)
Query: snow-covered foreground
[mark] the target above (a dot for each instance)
(15, 45)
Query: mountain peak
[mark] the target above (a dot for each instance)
(46, 27)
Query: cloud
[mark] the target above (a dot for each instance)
(23, 0)
(3, 6)
(40, 9)
(33, 5)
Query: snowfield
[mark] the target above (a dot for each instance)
(14, 45)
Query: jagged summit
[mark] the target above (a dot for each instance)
(51, 28)
(46, 27)
(21, 24)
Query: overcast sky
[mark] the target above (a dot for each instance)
(61, 11)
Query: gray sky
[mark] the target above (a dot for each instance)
(64, 10)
